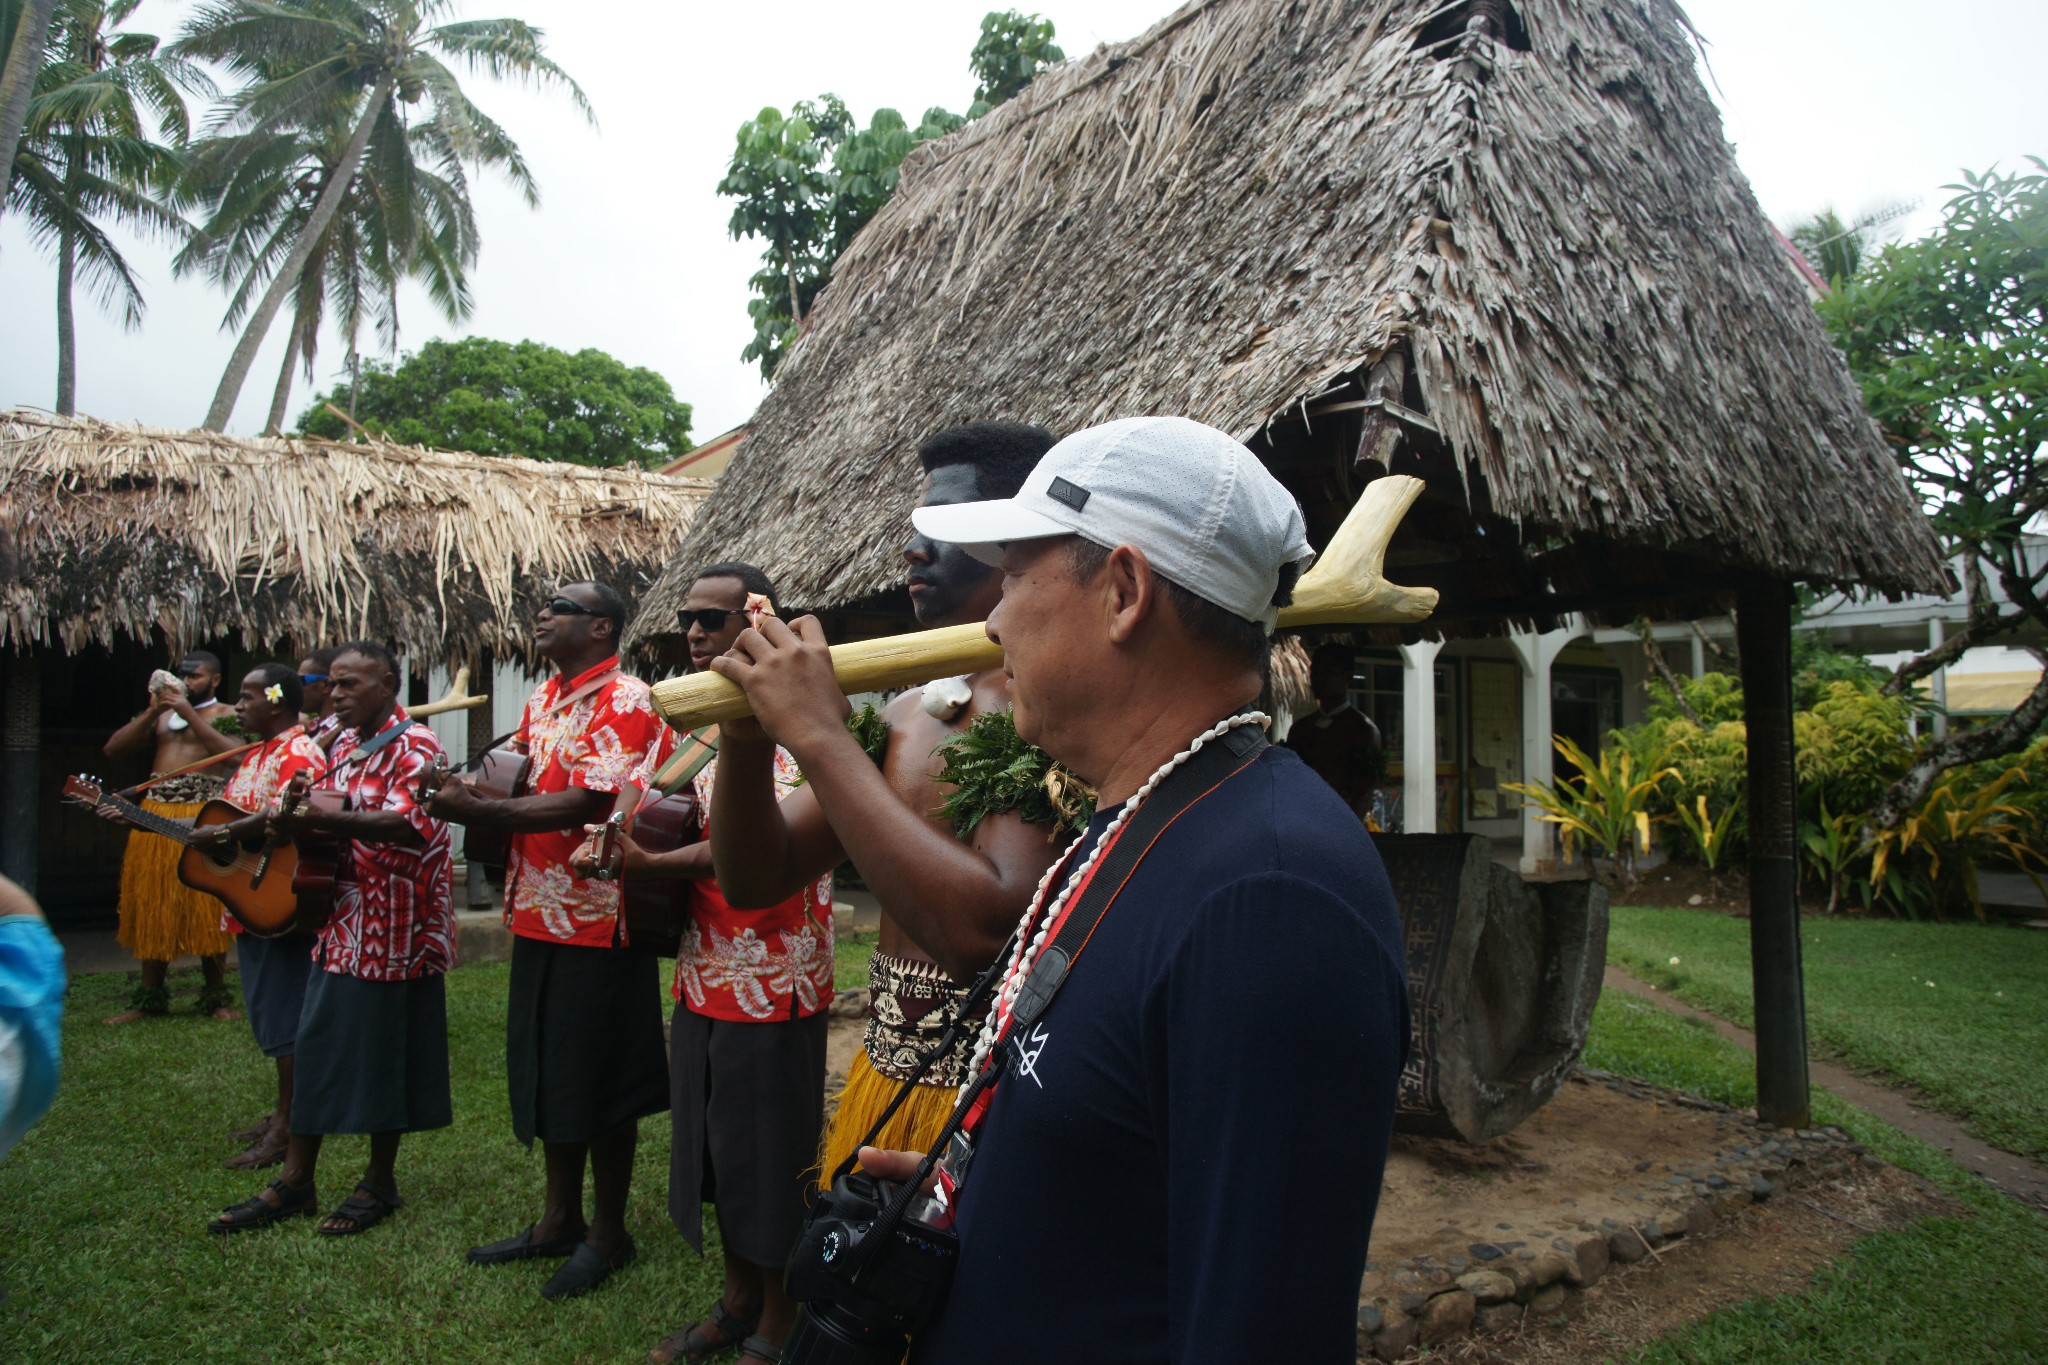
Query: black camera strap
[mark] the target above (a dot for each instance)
(949, 1038)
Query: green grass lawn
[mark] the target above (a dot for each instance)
(1958, 1010)
(105, 1257)
(850, 951)
(1954, 1290)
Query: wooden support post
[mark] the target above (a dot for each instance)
(1381, 434)
(21, 777)
(1763, 626)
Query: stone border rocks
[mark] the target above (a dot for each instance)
(1487, 1287)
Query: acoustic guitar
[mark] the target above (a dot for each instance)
(319, 853)
(273, 889)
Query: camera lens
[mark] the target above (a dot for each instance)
(825, 1334)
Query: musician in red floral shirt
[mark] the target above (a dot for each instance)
(373, 1041)
(583, 1047)
(272, 970)
(747, 1040)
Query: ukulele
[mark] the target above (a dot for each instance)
(654, 910)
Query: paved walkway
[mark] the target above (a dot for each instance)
(2015, 1175)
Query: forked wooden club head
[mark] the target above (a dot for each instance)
(1345, 586)
(458, 697)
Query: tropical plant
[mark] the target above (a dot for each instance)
(1948, 336)
(504, 398)
(311, 63)
(1834, 845)
(1709, 832)
(1851, 746)
(1708, 699)
(1607, 804)
(89, 155)
(1013, 48)
(1959, 823)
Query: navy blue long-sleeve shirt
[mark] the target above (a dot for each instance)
(1189, 1169)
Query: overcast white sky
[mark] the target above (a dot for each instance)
(1828, 102)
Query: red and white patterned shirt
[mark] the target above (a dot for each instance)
(751, 966)
(260, 780)
(601, 743)
(394, 915)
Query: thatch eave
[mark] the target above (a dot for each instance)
(286, 542)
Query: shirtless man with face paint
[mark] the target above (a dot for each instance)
(948, 904)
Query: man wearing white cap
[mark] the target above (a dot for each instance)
(1186, 1087)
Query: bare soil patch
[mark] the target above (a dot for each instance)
(1765, 1249)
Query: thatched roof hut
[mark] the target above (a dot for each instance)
(1504, 246)
(123, 530)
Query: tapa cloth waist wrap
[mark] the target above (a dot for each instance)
(909, 1005)
(188, 789)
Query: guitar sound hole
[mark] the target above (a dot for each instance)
(221, 857)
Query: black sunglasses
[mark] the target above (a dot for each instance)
(562, 606)
(711, 618)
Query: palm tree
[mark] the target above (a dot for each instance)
(398, 218)
(1837, 248)
(306, 59)
(87, 155)
(24, 28)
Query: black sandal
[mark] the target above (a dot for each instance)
(259, 1212)
(690, 1348)
(761, 1349)
(362, 1213)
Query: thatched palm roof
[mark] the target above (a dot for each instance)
(1239, 214)
(123, 529)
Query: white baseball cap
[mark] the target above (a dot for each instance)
(1203, 509)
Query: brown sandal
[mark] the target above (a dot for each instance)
(689, 1345)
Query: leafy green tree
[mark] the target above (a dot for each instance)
(1014, 47)
(305, 61)
(807, 183)
(504, 398)
(89, 155)
(1948, 336)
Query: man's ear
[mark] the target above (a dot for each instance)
(1130, 591)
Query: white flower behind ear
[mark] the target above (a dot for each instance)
(276, 693)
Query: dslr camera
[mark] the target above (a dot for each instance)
(869, 1269)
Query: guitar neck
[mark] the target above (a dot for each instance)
(150, 820)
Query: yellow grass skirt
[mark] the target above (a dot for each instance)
(161, 917)
(913, 1128)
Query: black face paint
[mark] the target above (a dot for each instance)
(943, 576)
(200, 692)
